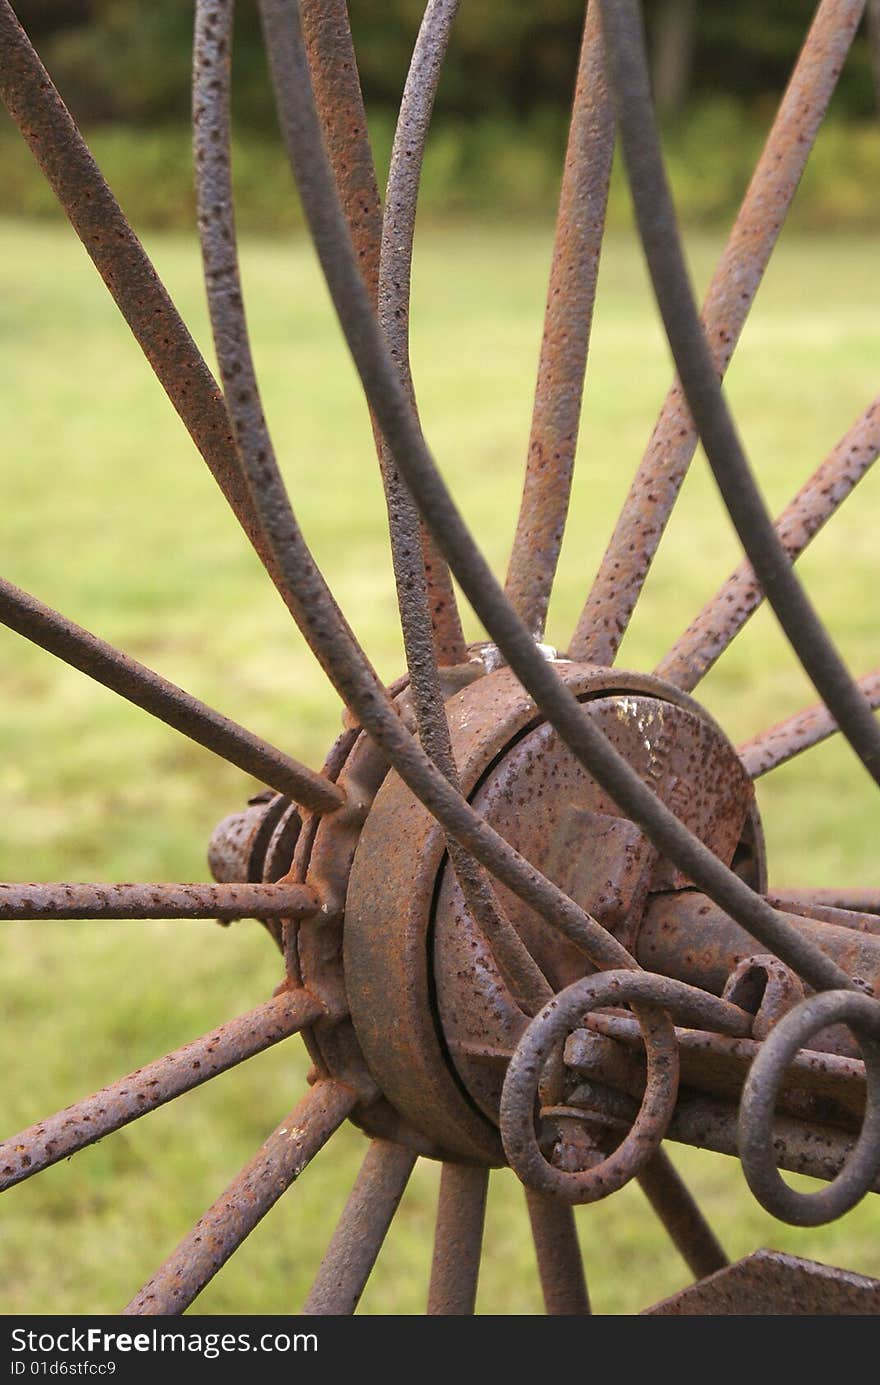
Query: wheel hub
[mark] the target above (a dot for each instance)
(431, 1016)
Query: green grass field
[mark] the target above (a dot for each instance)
(109, 514)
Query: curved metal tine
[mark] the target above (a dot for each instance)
(321, 621)
(568, 320)
(655, 487)
(560, 1263)
(64, 900)
(424, 586)
(713, 630)
(674, 1204)
(411, 561)
(458, 1240)
(68, 1131)
(800, 732)
(135, 682)
(120, 259)
(212, 49)
(697, 370)
(361, 1230)
(212, 52)
(256, 1188)
(345, 664)
(338, 96)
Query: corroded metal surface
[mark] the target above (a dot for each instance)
(59, 1136)
(276, 1165)
(516, 872)
(768, 1284)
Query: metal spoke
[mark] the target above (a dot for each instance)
(698, 373)
(674, 1204)
(658, 480)
(564, 345)
(425, 593)
(361, 1230)
(563, 712)
(80, 1125)
(458, 1240)
(339, 101)
(230, 1220)
(164, 700)
(713, 630)
(304, 588)
(560, 1264)
(800, 732)
(120, 259)
(811, 907)
(64, 900)
(864, 901)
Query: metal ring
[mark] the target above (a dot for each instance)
(659, 996)
(755, 1133)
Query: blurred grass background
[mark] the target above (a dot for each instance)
(110, 515)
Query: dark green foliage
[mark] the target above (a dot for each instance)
(128, 60)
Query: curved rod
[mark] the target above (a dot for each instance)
(568, 320)
(798, 733)
(381, 383)
(340, 103)
(122, 263)
(68, 1131)
(415, 599)
(63, 900)
(721, 619)
(306, 592)
(699, 377)
(212, 58)
(255, 1189)
(735, 283)
(163, 699)
(339, 99)
(756, 1137)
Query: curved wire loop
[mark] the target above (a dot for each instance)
(654, 999)
(861, 1014)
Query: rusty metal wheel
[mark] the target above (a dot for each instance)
(523, 908)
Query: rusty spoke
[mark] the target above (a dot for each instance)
(848, 899)
(76, 1127)
(798, 733)
(164, 700)
(560, 1263)
(563, 712)
(458, 1240)
(564, 345)
(361, 1230)
(426, 596)
(143, 687)
(662, 470)
(230, 1220)
(674, 1204)
(340, 103)
(384, 251)
(120, 259)
(713, 630)
(65, 900)
(658, 229)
